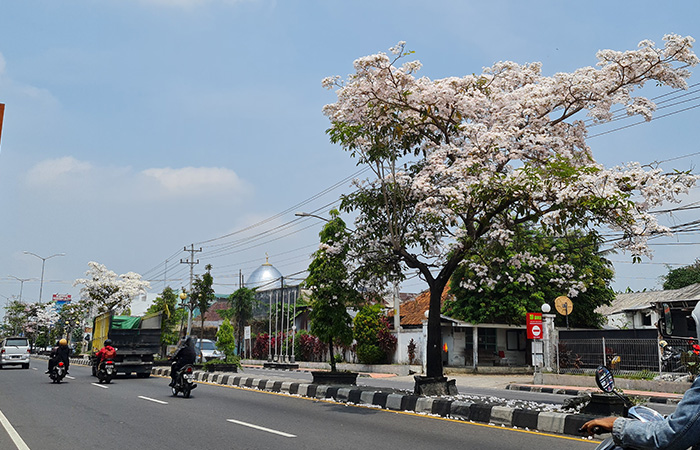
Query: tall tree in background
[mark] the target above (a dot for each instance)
(461, 159)
(241, 304)
(682, 276)
(331, 290)
(166, 303)
(203, 295)
(520, 275)
(107, 291)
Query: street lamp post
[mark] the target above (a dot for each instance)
(43, 263)
(305, 214)
(21, 286)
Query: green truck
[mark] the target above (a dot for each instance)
(137, 340)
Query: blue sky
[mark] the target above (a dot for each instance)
(136, 127)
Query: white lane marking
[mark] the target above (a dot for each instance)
(99, 385)
(70, 377)
(34, 368)
(19, 443)
(258, 427)
(153, 400)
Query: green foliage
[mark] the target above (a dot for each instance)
(202, 294)
(166, 303)
(241, 305)
(331, 292)
(511, 297)
(682, 276)
(691, 362)
(225, 341)
(370, 332)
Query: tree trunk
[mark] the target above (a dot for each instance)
(332, 361)
(433, 357)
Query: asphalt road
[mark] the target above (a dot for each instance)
(133, 413)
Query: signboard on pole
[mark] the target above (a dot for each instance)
(534, 325)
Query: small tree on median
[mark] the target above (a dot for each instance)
(331, 292)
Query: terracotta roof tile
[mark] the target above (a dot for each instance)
(413, 311)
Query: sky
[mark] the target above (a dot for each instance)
(136, 128)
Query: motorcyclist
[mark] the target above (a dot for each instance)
(680, 430)
(185, 355)
(105, 353)
(60, 353)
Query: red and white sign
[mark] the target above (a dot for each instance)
(534, 325)
(61, 298)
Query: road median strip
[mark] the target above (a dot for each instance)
(542, 421)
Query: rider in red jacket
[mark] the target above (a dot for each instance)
(107, 352)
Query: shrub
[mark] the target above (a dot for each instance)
(375, 343)
(370, 354)
(261, 346)
(411, 351)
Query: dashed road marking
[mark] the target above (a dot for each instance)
(258, 427)
(153, 400)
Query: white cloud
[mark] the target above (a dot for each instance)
(51, 171)
(69, 178)
(197, 180)
(2, 64)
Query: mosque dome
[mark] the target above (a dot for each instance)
(265, 278)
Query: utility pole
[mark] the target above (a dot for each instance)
(191, 263)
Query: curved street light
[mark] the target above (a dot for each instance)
(43, 263)
(305, 214)
(21, 285)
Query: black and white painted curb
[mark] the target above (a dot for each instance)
(576, 392)
(546, 422)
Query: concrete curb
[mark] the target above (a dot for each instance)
(575, 392)
(546, 422)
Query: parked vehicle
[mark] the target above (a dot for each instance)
(15, 351)
(206, 350)
(606, 382)
(136, 338)
(184, 381)
(106, 371)
(58, 372)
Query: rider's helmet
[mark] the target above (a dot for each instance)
(63, 342)
(663, 344)
(108, 342)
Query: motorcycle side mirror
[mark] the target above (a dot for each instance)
(604, 379)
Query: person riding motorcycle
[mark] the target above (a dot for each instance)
(680, 430)
(106, 353)
(60, 353)
(185, 355)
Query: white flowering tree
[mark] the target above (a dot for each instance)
(106, 291)
(465, 159)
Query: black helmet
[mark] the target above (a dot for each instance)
(108, 342)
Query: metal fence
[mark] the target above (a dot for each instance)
(623, 355)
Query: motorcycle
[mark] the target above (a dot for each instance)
(606, 382)
(184, 381)
(671, 358)
(105, 371)
(58, 372)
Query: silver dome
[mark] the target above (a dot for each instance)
(265, 278)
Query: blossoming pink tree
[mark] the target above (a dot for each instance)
(463, 159)
(104, 291)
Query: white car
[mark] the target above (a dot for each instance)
(208, 350)
(14, 351)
